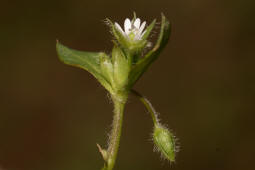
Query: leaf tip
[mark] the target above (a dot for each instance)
(103, 152)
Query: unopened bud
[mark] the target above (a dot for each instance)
(165, 142)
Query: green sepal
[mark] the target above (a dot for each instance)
(142, 65)
(121, 39)
(89, 61)
(134, 18)
(149, 29)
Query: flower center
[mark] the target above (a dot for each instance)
(133, 32)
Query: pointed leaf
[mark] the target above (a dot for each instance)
(143, 64)
(89, 61)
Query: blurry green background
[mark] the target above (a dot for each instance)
(203, 85)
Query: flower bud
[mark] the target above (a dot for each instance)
(165, 142)
(121, 68)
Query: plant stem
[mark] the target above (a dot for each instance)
(119, 104)
(148, 106)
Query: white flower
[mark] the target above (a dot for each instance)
(133, 30)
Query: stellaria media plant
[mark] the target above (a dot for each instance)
(118, 72)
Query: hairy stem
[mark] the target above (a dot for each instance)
(119, 104)
(148, 106)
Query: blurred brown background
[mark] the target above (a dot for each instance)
(52, 115)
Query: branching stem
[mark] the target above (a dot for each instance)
(119, 102)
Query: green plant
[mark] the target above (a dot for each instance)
(119, 72)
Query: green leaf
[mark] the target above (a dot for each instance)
(142, 65)
(89, 61)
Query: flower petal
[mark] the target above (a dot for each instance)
(143, 33)
(137, 23)
(138, 35)
(142, 27)
(127, 26)
(119, 28)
